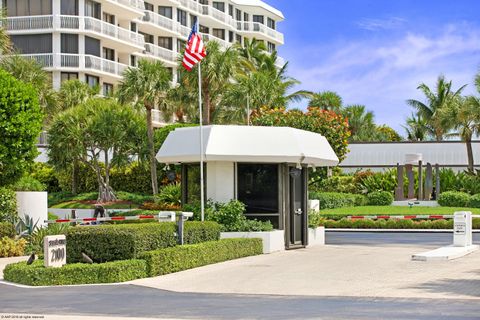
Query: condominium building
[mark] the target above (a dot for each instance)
(95, 41)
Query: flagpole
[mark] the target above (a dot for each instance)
(202, 191)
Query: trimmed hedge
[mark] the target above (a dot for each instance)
(118, 242)
(454, 199)
(389, 224)
(78, 273)
(380, 198)
(126, 241)
(185, 257)
(7, 229)
(332, 200)
(474, 201)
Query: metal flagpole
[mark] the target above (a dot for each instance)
(248, 109)
(202, 191)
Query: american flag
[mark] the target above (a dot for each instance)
(195, 50)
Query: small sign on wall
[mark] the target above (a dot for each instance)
(55, 251)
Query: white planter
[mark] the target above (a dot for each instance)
(316, 237)
(272, 240)
(314, 205)
(33, 204)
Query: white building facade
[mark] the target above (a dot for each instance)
(95, 41)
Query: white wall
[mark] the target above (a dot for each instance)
(220, 181)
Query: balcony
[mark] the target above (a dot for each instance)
(167, 55)
(224, 44)
(126, 9)
(261, 30)
(79, 63)
(63, 23)
(158, 20)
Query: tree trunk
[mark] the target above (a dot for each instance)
(468, 143)
(151, 150)
(75, 177)
(206, 104)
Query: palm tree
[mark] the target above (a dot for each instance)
(360, 122)
(75, 92)
(417, 128)
(327, 100)
(442, 97)
(147, 86)
(5, 43)
(217, 69)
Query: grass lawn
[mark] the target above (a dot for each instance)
(89, 205)
(394, 210)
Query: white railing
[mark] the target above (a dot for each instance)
(224, 44)
(138, 4)
(76, 23)
(80, 61)
(160, 52)
(248, 26)
(29, 23)
(160, 20)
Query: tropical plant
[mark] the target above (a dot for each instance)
(360, 122)
(8, 205)
(100, 133)
(146, 86)
(26, 225)
(327, 100)
(436, 100)
(28, 183)
(20, 125)
(417, 128)
(5, 43)
(170, 194)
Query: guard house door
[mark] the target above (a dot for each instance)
(296, 221)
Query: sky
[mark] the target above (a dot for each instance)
(377, 52)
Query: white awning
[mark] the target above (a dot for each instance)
(247, 144)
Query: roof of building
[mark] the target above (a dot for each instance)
(259, 3)
(247, 144)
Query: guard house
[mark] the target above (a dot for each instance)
(263, 167)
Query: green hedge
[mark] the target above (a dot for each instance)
(474, 201)
(118, 242)
(390, 224)
(78, 273)
(8, 205)
(7, 230)
(454, 199)
(380, 198)
(185, 257)
(127, 241)
(332, 200)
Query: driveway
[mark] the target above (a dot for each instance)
(333, 270)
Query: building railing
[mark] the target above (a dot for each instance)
(224, 44)
(161, 52)
(248, 26)
(78, 61)
(139, 4)
(157, 19)
(73, 22)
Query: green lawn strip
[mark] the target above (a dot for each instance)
(80, 205)
(394, 210)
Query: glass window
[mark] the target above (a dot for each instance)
(181, 45)
(219, 5)
(148, 37)
(133, 26)
(258, 187)
(191, 181)
(133, 60)
(271, 23)
(165, 11)
(238, 15)
(92, 9)
(108, 54)
(69, 7)
(246, 17)
(204, 30)
(219, 33)
(27, 7)
(65, 76)
(92, 46)
(33, 43)
(92, 81)
(107, 89)
(231, 38)
(69, 43)
(165, 42)
(271, 47)
(239, 39)
(230, 10)
(182, 17)
(257, 18)
(110, 18)
(149, 7)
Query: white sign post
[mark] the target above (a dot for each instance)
(55, 251)
(462, 229)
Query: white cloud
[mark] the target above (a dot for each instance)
(382, 75)
(380, 24)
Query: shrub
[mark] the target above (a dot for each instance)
(20, 125)
(453, 199)
(378, 181)
(474, 201)
(338, 183)
(134, 177)
(332, 200)
(388, 224)
(36, 238)
(170, 194)
(380, 198)
(185, 257)
(12, 248)
(46, 175)
(79, 273)
(7, 229)
(8, 205)
(196, 232)
(27, 183)
(360, 200)
(118, 242)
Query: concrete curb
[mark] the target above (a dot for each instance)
(394, 230)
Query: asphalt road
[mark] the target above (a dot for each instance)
(133, 301)
(392, 238)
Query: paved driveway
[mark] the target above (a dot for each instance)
(347, 270)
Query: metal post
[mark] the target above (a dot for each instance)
(420, 180)
(202, 204)
(180, 224)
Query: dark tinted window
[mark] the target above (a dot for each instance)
(92, 46)
(69, 43)
(69, 7)
(33, 43)
(258, 187)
